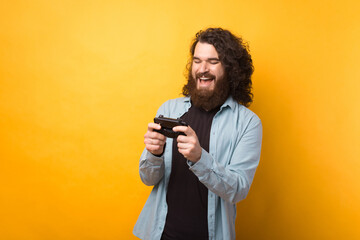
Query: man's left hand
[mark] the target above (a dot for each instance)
(188, 145)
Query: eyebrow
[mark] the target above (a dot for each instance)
(209, 59)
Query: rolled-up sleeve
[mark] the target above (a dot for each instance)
(151, 168)
(231, 181)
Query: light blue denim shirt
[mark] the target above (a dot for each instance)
(227, 170)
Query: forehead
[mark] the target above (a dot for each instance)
(205, 50)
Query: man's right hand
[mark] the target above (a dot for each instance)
(154, 141)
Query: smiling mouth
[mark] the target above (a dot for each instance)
(205, 79)
(205, 82)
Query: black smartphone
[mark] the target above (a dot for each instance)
(167, 124)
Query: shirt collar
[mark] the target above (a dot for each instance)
(187, 99)
(230, 102)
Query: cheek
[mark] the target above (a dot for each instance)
(220, 72)
(193, 72)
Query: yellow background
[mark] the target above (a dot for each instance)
(80, 80)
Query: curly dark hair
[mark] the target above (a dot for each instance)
(234, 56)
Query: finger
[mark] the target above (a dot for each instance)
(152, 126)
(185, 152)
(180, 128)
(153, 141)
(154, 135)
(191, 139)
(182, 139)
(186, 145)
(183, 145)
(153, 148)
(185, 129)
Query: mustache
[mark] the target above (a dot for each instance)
(206, 75)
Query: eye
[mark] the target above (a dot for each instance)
(196, 60)
(214, 62)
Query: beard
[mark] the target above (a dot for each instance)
(208, 99)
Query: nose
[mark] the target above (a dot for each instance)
(203, 68)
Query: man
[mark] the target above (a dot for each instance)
(199, 177)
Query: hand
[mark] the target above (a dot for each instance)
(154, 141)
(188, 145)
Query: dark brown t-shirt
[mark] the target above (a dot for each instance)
(187, 196)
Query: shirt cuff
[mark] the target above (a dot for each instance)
(154, 159)
(203, 166)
